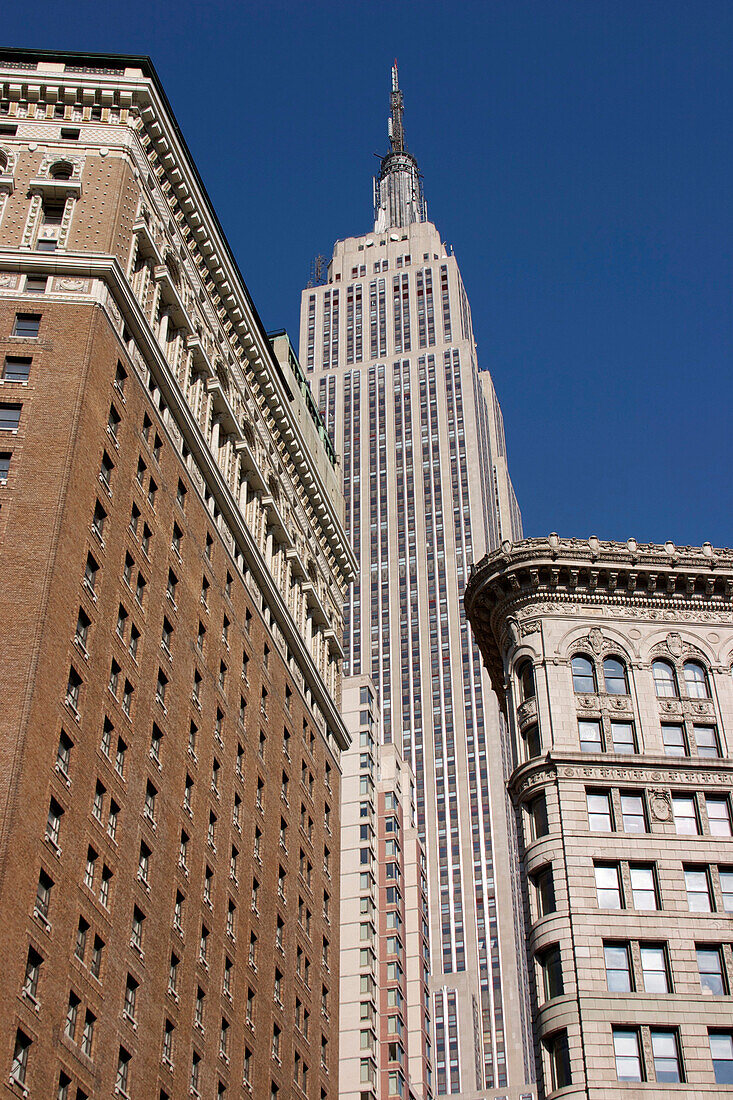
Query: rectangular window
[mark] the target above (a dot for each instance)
(590, 735)
(643, 886)
(711, 970)
(619, 977)
(559, 1058)
(9, 417)
(706, 740)
(622, 736)
(16, 368)
(721, 1052)
(5, 457)
(726, 888)
(719, 818)
(633, 812)
(697, 885)
(666, 1055)
(673, 739)
(685, 814)
(544, 892)
(629, 1066)
(655, 968)
(608, 886)
(27, 325)
(551, 965)
(600, 815)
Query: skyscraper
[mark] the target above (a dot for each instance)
(174, 566)
(387, 344)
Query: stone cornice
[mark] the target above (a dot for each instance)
(137, 88)
(591, 571)
(107, 269)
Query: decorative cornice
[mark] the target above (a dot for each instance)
(628, 575)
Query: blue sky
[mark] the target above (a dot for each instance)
(578, 156)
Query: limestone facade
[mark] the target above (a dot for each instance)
(613, 665)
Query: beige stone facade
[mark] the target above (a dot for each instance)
(173, 571)
(613, 664)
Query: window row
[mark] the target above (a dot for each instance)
(627, 810)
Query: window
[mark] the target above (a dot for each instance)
(706, 740)
(32, 973)
(665, 681)
(584, 677)
(711, 970)
(726, 888)
(685, 814)
(558, 1055)
(589, 731)
(19, 1066)
(168, 1030)
(655, 968)
(122, 1079)
(633, 812)
(176, 539)
(719, 818)
(97, 954)
(721, 1052)
(544, 892)
(622, 737)
(643, 886)
(629, 1066)
(697, 885)
(17, 368)
(532, 743)
(173, 974)
(600, 815)
(104, 888)
(73, 689)
(113, 422)
(87, 1035)
(63, 754)
(608, 886)
(90, 868)
(537, 810)
(619, 977)
(36, 284)
(614, 675)
(666, 1054)
(27, 325)
(696, 681)
(673, 739)
(120, 755)
(527, 688)
(5, 457)
(136, 936)
(72, 1012)
(551, 965)
(143, 866)
(9, 417)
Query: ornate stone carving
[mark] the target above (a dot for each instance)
(70, 284)
(531, 626)
(596, 640)
(527, 713)
(9, 281)
(660, 805)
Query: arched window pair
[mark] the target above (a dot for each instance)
(666, 682)
(614, 676)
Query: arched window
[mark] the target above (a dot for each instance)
(526, 681)
(584, 676)
(614, 674)
(3, 160)
(665, 681)
(62, 170)
(532, 743)
(696, 682)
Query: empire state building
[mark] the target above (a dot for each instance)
(388, 346)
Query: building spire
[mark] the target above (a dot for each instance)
(397, 104)
(398, 196)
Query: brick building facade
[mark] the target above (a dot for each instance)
(173, 572)
(613, 665)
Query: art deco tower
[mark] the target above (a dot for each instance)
(389, 347)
